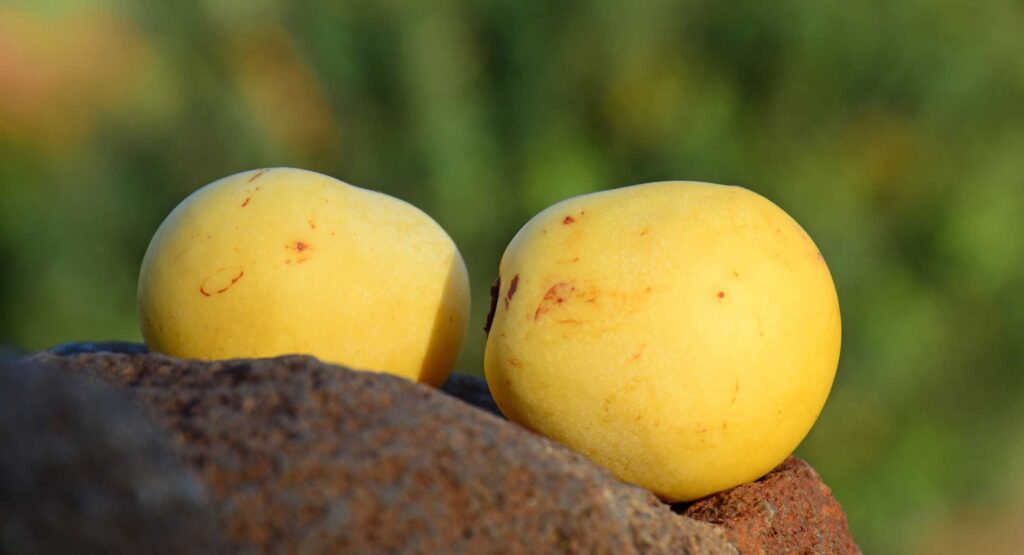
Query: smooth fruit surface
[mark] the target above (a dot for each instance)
(683, 335)
(281, 260)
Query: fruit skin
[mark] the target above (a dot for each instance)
(276, 261)
(683, 335)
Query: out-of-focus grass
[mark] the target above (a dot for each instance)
(892, 131)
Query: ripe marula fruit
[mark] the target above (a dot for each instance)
(281, 260)
(683, 335)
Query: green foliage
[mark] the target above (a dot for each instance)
(893, 131)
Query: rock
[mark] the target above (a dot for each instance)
(788, 511)
(82, 471)
(472, 390)
(81, 347)
(300, 456)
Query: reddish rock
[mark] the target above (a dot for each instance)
(788, 511)
(300, 456)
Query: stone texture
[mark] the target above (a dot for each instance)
(788, 511)
(300, 456)
(82, 471)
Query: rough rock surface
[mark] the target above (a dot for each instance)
(83, 471)
(300, 456)
(788, 511)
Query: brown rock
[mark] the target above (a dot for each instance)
(788, 511)
(300, 456)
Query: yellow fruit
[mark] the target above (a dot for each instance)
(683, 335)
(283, 260)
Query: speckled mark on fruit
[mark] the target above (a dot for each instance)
(299, 247)
(555, 296)
(256, 176)
(312, 224)
(246, 202)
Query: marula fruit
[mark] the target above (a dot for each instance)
(281, 260)
(683, 335)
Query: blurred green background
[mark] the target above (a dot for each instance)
(893, 131)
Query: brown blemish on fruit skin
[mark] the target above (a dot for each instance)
(568, 220)
(256, 176)
(568, 322)
(512, 288)
(312, 224)
(511, 291)
(246, 202)
(636, 356)
(721, 294)
(202, 286)
(514, 362)
(298, 246)
(556, 295)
